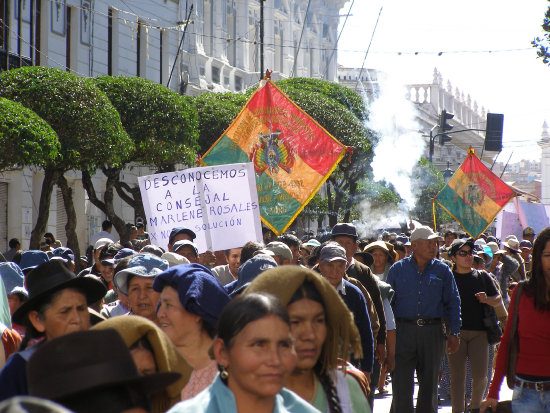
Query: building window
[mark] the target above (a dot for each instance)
(141, 50)
(110, 42)
(226, 80)
(4, 13)
(68, 40)
(160, 56)
(215, 74)
(138, 49)
(238, 83)
(202, 71)
(37, 31)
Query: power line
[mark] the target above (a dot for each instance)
(300, 42)
(368, 48)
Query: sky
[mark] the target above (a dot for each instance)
(509, 79)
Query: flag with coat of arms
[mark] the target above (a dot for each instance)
(292, 154)
(474, 195)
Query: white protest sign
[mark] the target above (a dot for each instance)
(218, 203)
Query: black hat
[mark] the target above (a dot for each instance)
(53, 276)
(344, 229)
(87, 360)
(458, 244)
(367, 257)
(180, 230)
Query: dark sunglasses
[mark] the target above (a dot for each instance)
(465, 253)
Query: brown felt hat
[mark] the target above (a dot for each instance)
(53, 276)
(87, 360)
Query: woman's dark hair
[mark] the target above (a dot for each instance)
(142, 343)
(40, 307)
(537, 283)
(308, 290)
(249, 249)
(399, 246)
(245, 309)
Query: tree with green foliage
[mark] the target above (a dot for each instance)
(163, 126)
(25, 138)
(216, 112)
(427, 181)
(87, 125)
(543, 43)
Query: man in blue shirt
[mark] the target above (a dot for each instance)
(332, 265)
(425, 294)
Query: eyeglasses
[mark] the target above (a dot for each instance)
(465, 253)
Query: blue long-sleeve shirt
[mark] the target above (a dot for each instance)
(431, 293)
(355, 301)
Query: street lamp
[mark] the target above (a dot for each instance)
(447, 173)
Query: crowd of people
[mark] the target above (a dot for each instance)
(315, 324)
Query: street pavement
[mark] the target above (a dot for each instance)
(382, 402)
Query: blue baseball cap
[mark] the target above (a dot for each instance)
(249, 270)
(63, 252)
(32, 259)
(180, 230)
(142, 265)
(525, 244)
(123, 253)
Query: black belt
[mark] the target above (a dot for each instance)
(420, 321)
(538, 385)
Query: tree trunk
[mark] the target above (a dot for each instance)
(352, 191)
(330, 204)
(106, 206)
(132, 196)
(333, 217)
(113, 176)
(70, 227)
(50, 177)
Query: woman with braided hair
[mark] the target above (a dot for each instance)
(323, 329)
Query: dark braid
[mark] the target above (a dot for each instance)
(330, 391)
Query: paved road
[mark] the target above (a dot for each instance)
(382, 403)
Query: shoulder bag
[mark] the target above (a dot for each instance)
(513, 342)
(490, 319)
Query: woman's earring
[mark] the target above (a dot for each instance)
(224, 374)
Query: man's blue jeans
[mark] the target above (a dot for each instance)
(527, 400)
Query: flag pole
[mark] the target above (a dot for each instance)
(433, 212)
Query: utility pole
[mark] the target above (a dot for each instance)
(261, 39)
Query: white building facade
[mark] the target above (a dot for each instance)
(220, 52)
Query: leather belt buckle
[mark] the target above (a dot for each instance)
(420, 322)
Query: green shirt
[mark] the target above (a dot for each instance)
(358, 400)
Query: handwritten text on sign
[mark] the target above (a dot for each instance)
(219, 203)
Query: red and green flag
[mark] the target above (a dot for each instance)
(292, 154)
(474, 195)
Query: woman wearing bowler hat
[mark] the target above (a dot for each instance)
(57, 305)
(93, 372)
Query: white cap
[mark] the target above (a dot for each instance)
(174, 259)
(100, 243)
(424, 232)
